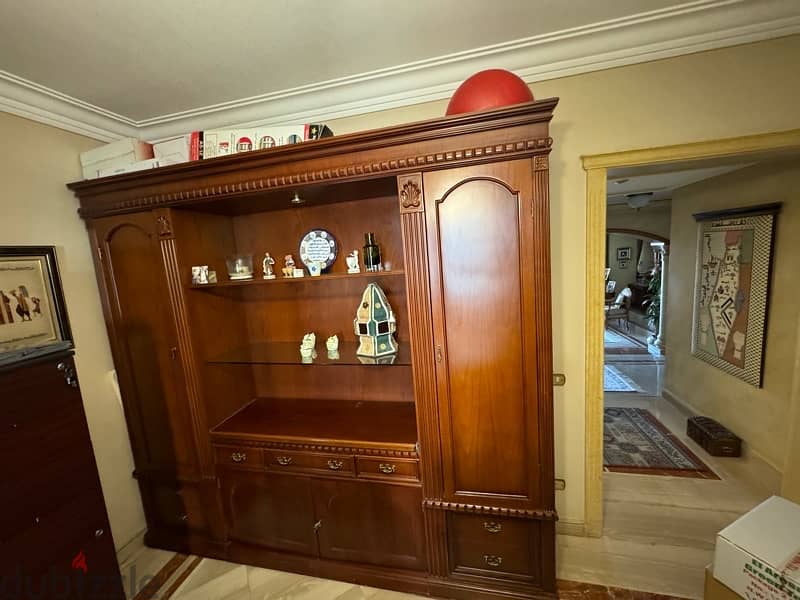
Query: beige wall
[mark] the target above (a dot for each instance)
(627, 274)
(37, 209)
(758, 416)
(724, 93)
(654, 218)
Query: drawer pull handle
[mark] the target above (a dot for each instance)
(335, 465)
(238, 457)
(98, 533)
(184, 518)
(387, 468)
(284, 460)
(492, 560)
(492, 526)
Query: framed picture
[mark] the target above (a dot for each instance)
(33, 317)
(624, 253)
(623, 264)
(734, 253)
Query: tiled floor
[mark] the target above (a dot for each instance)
(660, 531)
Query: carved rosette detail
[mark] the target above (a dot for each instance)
(464, 155)
(541, 162)
(164, 226)
(546, 515)
(410, 194)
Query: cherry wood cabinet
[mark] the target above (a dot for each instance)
(55, 540)
(431, 472)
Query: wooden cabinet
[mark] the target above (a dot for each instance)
(53, 521)
(375, 471)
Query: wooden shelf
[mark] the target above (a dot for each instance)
(288, 353)
(390, 425)
(297, 280)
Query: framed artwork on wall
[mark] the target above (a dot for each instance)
(734, 254)
(624, 253)
(33, 317)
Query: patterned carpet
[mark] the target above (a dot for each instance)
(617, 342)
(615, 380)
(635, 441)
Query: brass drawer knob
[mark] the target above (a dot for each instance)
(98, 533)
(492, 526)
(492, 560)
(238, 457)
(335, 465)
(284, 460)
(387, 468)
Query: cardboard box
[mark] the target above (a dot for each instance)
(174, 151)
(115, 154)
(714, 590)
(221, 142)
(758, 555)
(150, 163)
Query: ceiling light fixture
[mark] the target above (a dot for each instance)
(639, 200)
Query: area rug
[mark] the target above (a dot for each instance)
(618, 342)
(634, 441)
(615, 380)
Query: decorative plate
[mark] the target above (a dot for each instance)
(318, 245)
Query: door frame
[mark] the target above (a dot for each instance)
(597, 167)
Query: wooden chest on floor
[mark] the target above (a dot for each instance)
(715, 439)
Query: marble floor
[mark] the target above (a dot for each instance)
(660, 531)
(152, 574)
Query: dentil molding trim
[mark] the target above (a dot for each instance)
(683, 29)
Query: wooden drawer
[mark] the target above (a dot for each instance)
(308, 462)
(388, 469)
(239, 456)
(484, 545)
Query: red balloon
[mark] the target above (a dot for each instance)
(489, 89)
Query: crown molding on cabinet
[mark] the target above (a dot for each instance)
(687, 28)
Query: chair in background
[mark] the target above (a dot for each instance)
(620, 309)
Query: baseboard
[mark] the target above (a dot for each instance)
(755, 468)
(131, 547)
(576, 528)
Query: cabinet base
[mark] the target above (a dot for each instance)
(413, 582)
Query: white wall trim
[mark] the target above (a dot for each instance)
(686, 28)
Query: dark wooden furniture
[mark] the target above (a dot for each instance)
(716, 439)
(55, 541)
(433, 474)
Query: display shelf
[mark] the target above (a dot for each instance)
(288, 353)
(297, 280)
(390, 425)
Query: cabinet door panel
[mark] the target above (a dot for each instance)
(143, 339)
(481, 252)
(269, 510)
(371, 523)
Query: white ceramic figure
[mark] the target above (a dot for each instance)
(288, 266)
(352, 262)
(266, 266)
(332, 343)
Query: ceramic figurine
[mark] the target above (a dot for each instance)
(288, 266)
(266, 266)
(352, 262)
(307, 346)
(314, 268)
(332, 344)
(375, 324)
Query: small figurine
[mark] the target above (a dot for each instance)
(352, 262)
(266, 266)
(307, 351)
(288, 266)
(315, 268)
(332, 344)
(375, 324)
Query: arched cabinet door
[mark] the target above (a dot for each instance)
(491, 322)
(141, 328)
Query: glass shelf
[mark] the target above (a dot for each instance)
(298, 280)
(288, 353)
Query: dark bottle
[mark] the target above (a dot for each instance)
(372, 253)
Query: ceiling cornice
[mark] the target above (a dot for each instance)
(683, 29)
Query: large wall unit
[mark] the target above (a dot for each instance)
(430, 473)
